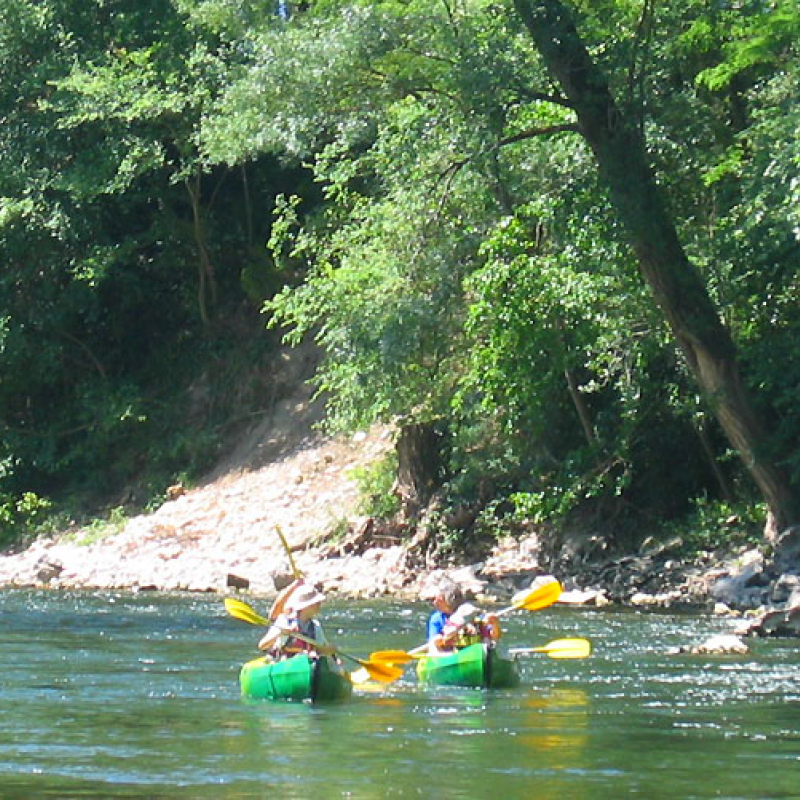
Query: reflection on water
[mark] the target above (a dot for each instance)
(556, 722)
(109, 695)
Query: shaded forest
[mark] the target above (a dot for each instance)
(554, 243)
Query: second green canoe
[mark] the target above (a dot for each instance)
(477, 666)
(296, 678)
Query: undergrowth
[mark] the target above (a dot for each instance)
(718, 526)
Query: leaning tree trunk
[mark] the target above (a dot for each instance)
(207, 284)
(419, 466)
(675, 283)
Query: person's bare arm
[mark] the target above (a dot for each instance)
(270, 638)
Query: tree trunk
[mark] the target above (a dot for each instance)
(419, 466)
(580, 406)
(578, 400)
(675, 283)
(207, 284)
(248, 206)
(705, 441)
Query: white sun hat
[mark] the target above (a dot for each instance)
(304, 597)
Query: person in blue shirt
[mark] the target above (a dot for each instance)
(455, 624)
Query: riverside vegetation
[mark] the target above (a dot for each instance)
(552, 247)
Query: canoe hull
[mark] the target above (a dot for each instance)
(476, 666)
(296, 678)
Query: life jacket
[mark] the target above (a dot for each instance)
(467, 633)
(291, 646)
(472, 633)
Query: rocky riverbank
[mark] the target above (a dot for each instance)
(221, 537)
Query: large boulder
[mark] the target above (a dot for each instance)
(780, 622)
(745, 584)
(721, 644)
(786, 551)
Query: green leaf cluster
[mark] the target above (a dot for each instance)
(126, 337)
(404, 183)
(467, 266)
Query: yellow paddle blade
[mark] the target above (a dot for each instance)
(392, 657)
(567, 648)
(361, 680)
(383, 673)
(558, 648)
(539, 598)
(240, 610)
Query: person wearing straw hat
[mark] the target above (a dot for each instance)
(298, 617)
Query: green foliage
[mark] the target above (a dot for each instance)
(719, 526)
(757, 43)
(448, 242)
(99, 529)
(540, 507)
(20, 514)
(111, 383)
(375, 483)
(553, 371)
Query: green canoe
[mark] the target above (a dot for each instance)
(477, 666)
(296, 678)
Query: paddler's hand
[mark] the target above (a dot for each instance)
(443, 642)
(492, 621)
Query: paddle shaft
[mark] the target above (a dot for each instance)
(298, 576)
(378, 672)
(534, 600)
(420, 650)
(313, 643)
(502, 612)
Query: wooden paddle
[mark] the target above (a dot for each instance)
(558, 648)
(382, 672)
(534, 600)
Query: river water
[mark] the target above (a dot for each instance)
(113, 695)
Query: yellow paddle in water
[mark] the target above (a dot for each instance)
(533, 600)
(558, 648)
(383, 672)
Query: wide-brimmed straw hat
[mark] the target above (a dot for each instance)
(304, 597)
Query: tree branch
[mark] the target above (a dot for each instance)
(531, 133)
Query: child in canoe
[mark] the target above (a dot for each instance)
(298, 616)
(456, 624)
